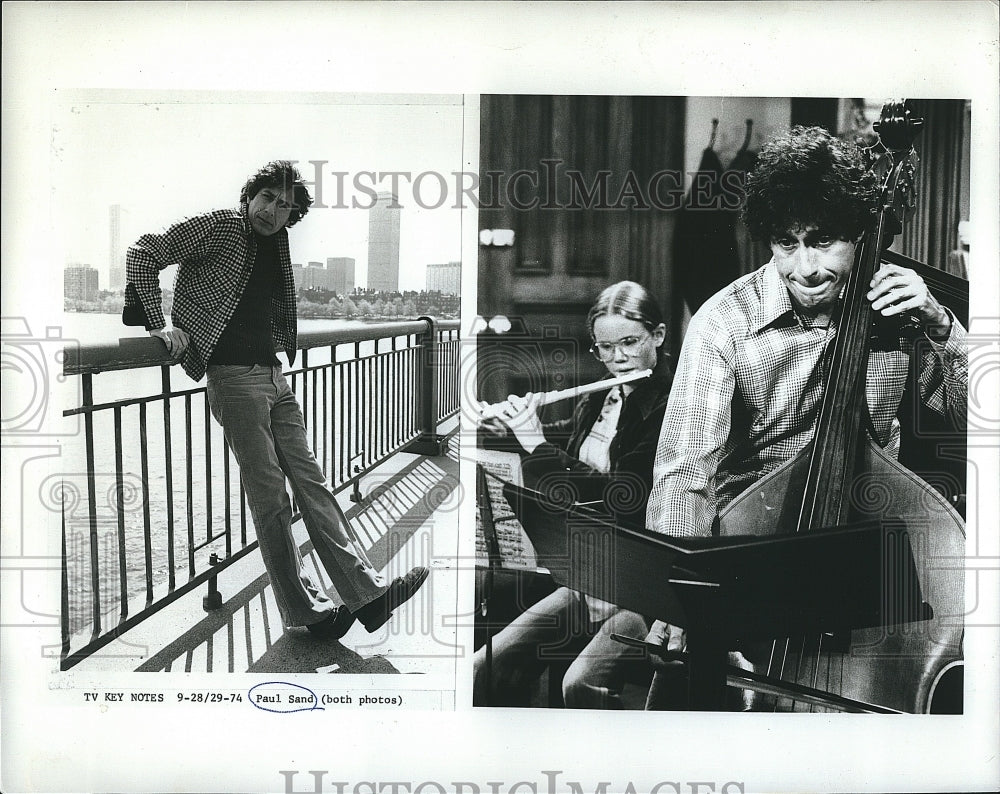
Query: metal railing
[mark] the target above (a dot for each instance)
(446, 352)
(159, 509)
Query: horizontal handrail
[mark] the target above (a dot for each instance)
(144, 351)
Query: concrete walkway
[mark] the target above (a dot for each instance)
(409, 517)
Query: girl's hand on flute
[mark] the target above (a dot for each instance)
(520, 414)
(490, 422)
(493, 426)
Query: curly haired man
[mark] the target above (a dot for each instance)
(750, 380)
(234, 304)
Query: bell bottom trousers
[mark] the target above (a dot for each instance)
(264, 428)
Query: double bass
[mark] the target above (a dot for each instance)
(843, 477)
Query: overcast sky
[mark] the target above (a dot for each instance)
(165, 155)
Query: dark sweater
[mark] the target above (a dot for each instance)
(247, 337)
(554, 466)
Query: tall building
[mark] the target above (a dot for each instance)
(117, 218)
(446, 278)
(315, 276)
(341, 269)
(383, 244)
(80, 283)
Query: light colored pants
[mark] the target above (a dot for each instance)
(559, 628)
(264, 428)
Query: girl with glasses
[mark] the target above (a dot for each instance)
(603, 453)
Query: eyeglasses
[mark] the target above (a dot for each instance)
(630, 346)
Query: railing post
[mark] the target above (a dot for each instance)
(429, 442)
(213, 600)
(95, 559)
(356, 468)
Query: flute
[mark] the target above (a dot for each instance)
(492, 410)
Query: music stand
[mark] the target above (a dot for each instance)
(724, 590)
(495, 563)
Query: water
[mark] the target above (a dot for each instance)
(199, 510)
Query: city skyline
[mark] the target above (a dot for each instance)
(119, 240)
(136, 156)
(337, 274)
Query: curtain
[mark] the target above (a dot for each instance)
(932, 232)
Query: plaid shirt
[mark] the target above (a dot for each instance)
(215, 253)
(747, 394)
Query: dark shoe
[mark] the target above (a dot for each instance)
(402, 589)
(335, 625)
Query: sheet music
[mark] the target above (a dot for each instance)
(515, 548)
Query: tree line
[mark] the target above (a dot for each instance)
(314, 303)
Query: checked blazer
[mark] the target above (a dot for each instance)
(215, 254)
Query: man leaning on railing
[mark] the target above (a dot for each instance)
(234, 305)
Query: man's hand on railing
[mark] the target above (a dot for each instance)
(174, 338)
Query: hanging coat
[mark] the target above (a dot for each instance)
(706, 257)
